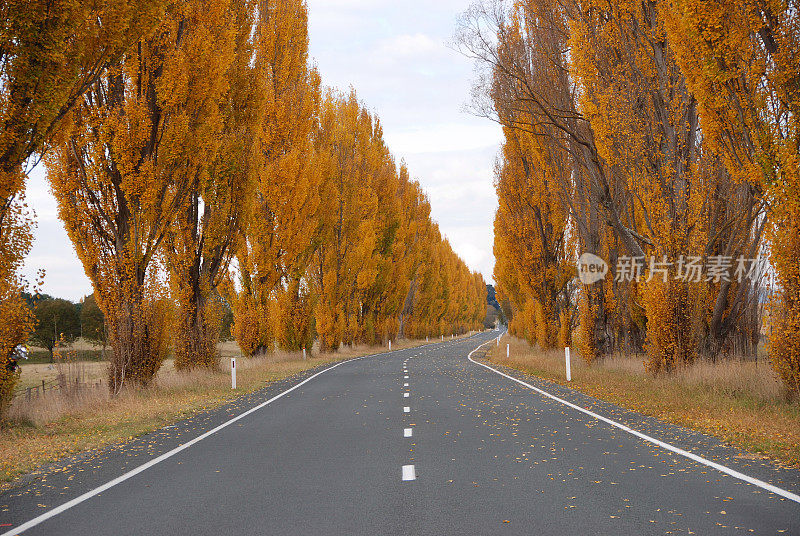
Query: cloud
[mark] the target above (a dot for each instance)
(52, 251)
(335, 5)
(39, 196)
(444, 138)
(406, 48)
(477, 258)
(463, 201)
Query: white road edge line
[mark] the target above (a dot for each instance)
(719, 467)
(407, 432)
(409, 473)
(125, 476)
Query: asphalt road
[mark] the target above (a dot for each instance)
(419, 441)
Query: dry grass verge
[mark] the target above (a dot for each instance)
(739, 402)
(48, 428)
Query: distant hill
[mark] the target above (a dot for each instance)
(490, 297)
(492, 308)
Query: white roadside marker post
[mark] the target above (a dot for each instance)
(233, 373)
(304, 353)
(508, 350)
(566, 357)
(390, 345)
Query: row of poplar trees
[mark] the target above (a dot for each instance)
(199, 164)
(654, 129)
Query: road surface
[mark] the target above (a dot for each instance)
(421, 441)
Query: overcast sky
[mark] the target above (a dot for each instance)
(396, 55)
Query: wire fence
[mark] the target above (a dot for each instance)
(60, 384)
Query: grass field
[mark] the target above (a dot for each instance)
(63, 423)
(740, 402)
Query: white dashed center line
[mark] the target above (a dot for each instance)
(409, 473)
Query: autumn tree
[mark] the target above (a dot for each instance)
(532, 223)
(526, 87)
(599, 119)
(16, 317)
(448, 298)
(380, 267)
(740, 61)
(683, 200)
(139, 140)
(277, 240)
(421, 236)
(343, 266)
(414, 231)
(395, 248)
(50, 54)
(201, 239)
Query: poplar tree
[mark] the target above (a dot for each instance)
(202, 237)
(139, 140)
(51, 52)
(606, 153)
(740, 62)
(281, 212)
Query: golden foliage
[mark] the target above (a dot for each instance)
(138, 142)
(277, 239)
(606, 152)
(740, 61)
(50, 53)
(206, 161)
(18, 321)
(16, 318)
(381, 269)
(201, 239)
